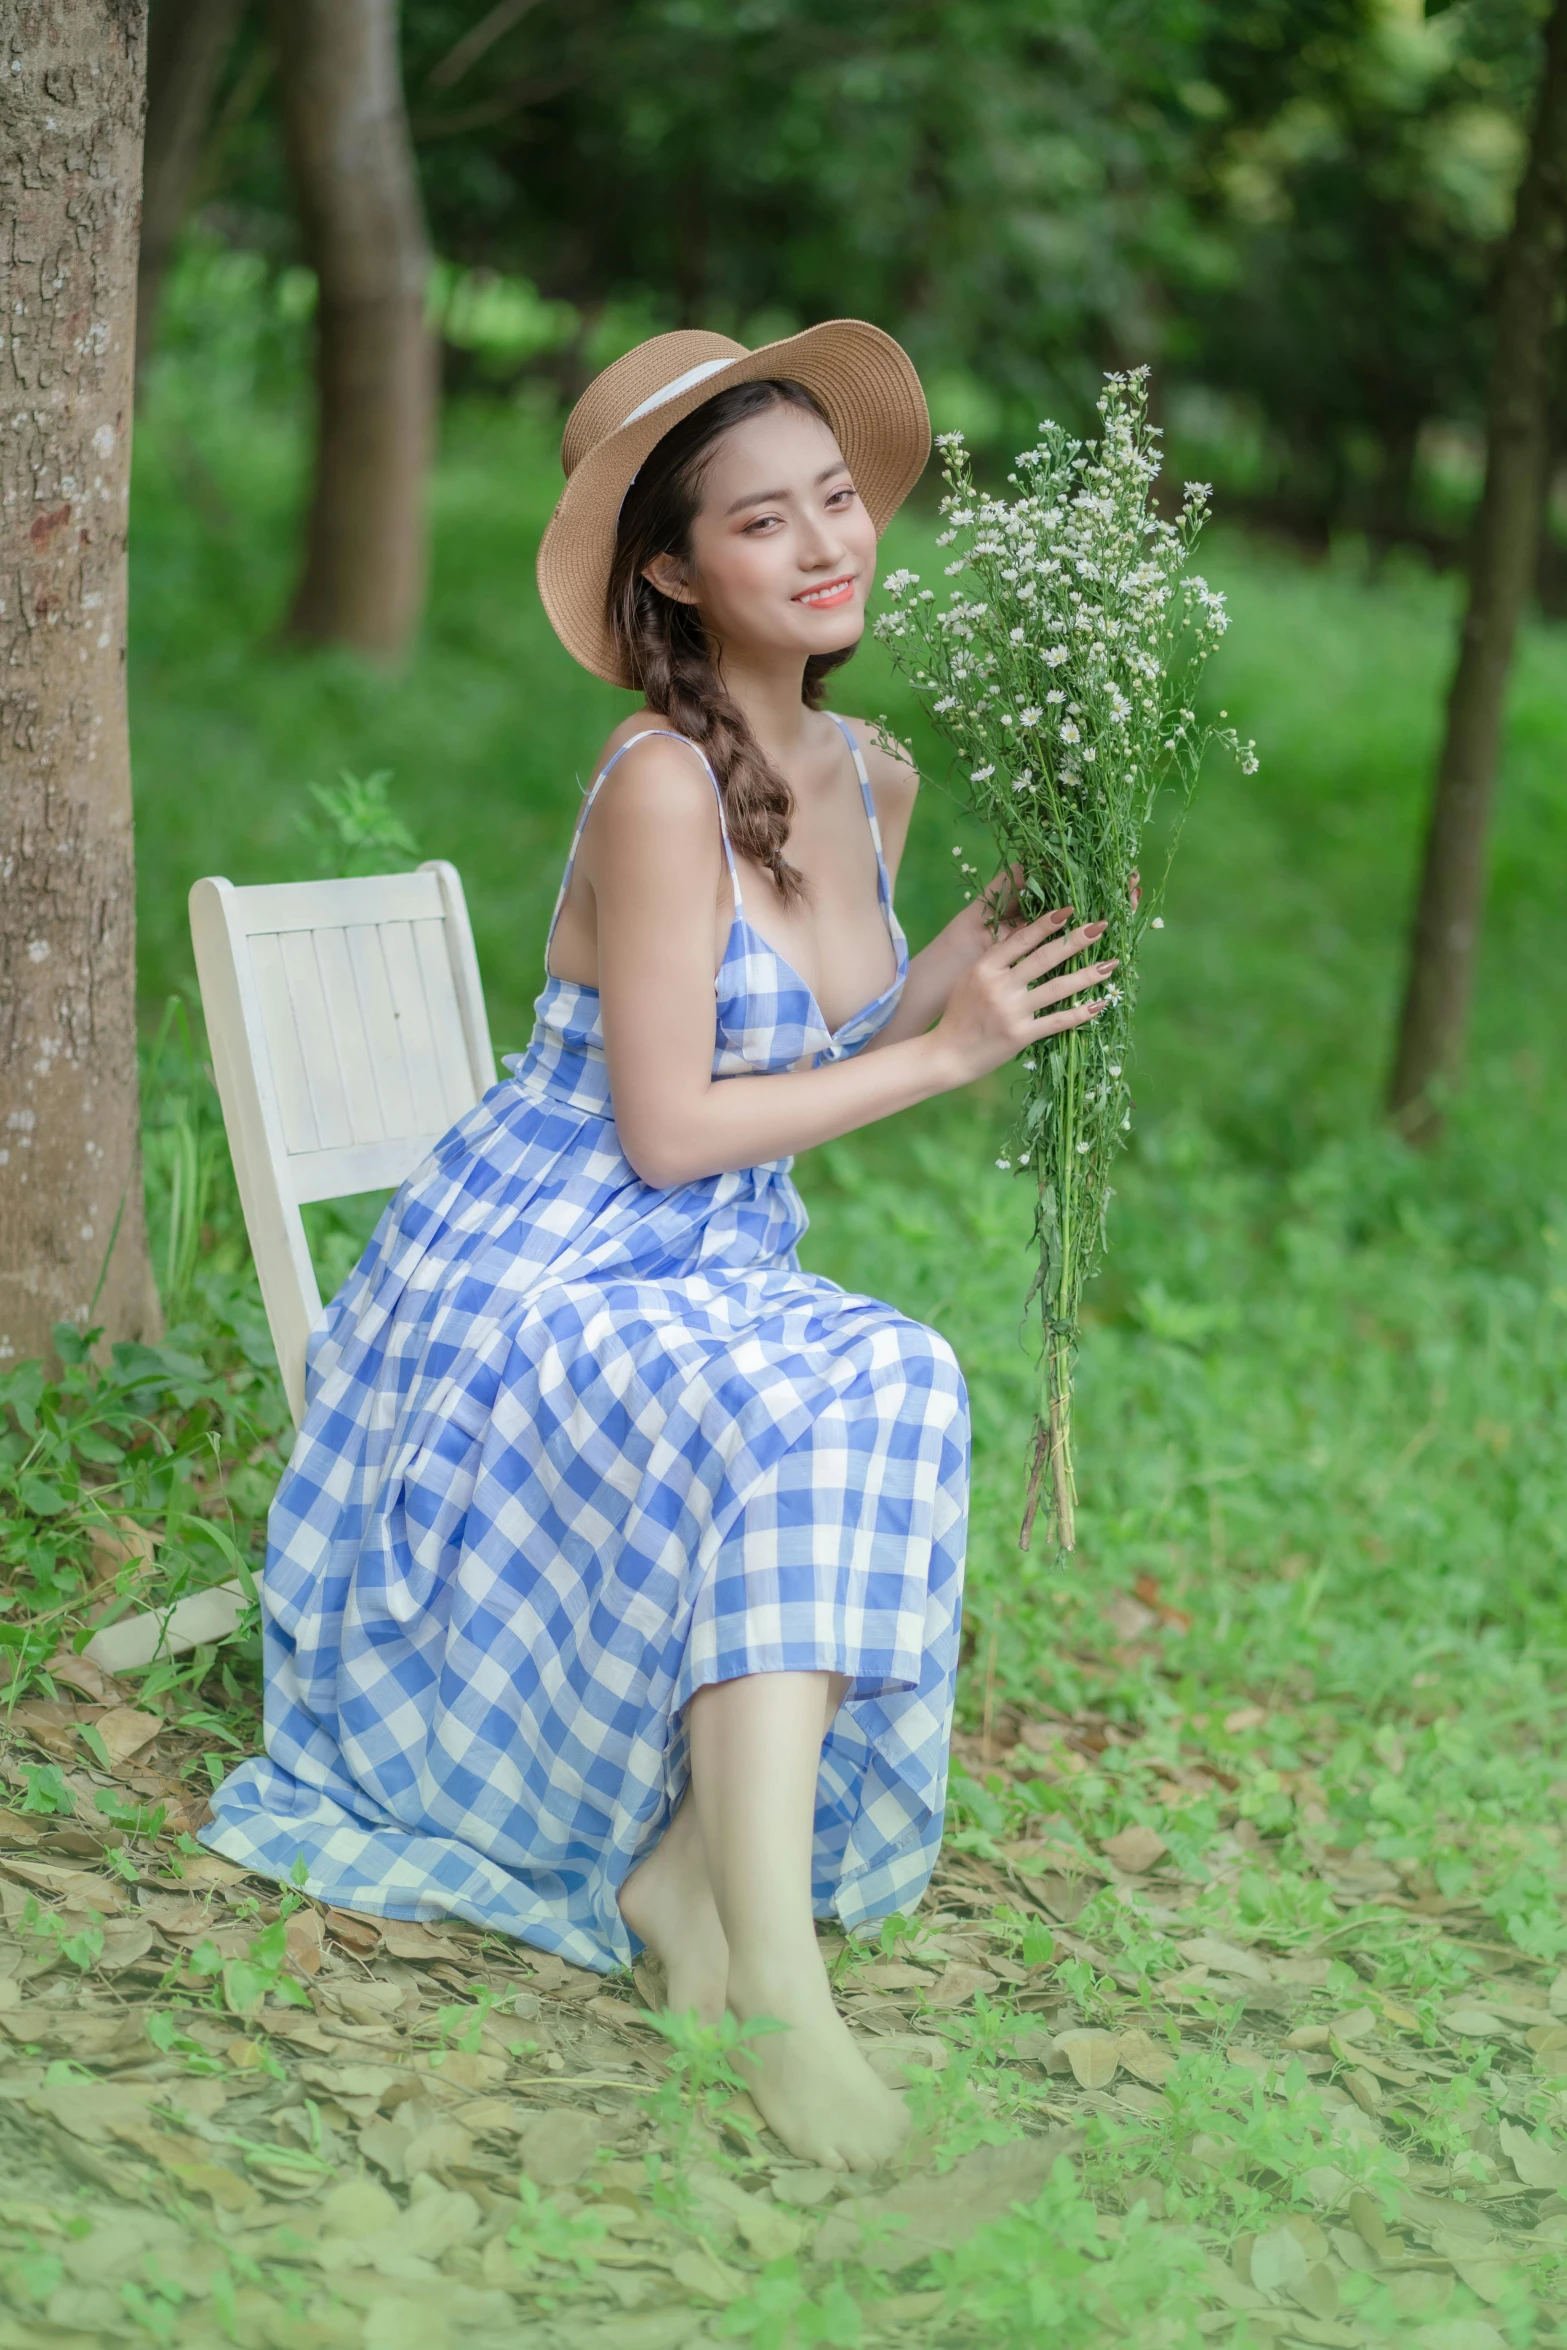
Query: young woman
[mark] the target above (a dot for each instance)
(612, 1595)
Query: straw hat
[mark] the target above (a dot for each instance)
(863, 379)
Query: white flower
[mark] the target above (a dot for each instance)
(896, 581)
(1017, 637)
(1031, 716)
(947, 702)
(1055, 655)
(981, 774)
(957, 852)
(1004, 1165)
(1115, 1068)
(1069, 733)
(1082, 1146)
(1055, 697)
(1158, 922)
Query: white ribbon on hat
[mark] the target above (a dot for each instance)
(682, 383)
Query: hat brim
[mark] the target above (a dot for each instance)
(864, 380)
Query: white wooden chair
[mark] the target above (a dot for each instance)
(347, 1030)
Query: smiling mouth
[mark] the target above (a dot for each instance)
(837, 591)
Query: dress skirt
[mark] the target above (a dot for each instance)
(574, 1449)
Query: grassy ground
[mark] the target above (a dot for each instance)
(1251, 1905)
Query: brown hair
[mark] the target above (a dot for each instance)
(667, 649)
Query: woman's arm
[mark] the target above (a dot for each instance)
(654, 861)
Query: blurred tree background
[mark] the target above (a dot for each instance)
(1290, 207)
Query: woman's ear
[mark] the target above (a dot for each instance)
(665, 573)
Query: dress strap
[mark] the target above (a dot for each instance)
(883, 883)
(592, 794)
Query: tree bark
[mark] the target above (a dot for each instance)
(1445, 941)
(353, 167)
(71, 97)
(187, 43)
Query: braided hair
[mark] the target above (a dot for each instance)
(668, 651)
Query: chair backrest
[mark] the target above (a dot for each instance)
(348, 1032)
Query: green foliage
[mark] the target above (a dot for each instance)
(1054, 2271)
(89, 1450)
(351, 827)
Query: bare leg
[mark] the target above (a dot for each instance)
(755, 1753)
(668, 1904)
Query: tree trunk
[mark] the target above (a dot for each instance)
(1445, 940)
(186, 45)
(352, 159)
(70, 1168)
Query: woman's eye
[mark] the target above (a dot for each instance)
(839, 497)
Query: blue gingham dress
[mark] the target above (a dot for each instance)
(575, 1448)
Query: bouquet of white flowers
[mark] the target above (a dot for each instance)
(1062, 668)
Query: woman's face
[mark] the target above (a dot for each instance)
(782, 552)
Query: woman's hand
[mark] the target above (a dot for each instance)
(1006, 1001)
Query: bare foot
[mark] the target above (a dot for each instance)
(814, 2088)
(668, 1904)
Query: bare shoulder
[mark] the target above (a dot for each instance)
(660, 792)
(890, 765)
(894, 780)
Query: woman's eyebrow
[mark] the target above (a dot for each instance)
(772, 497)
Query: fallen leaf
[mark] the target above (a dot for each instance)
(1093, 2056)
(437, 2148)
(1135, 1849)
(807, 2188)
(768, 2232)
(358, 2207)
(81, 1674)
(1365, 2216)
(435, 2222)
(303, 1939)
(1128, 1618)
(559, 2145)
(1278, 2262)
(1537, 2162)
(891, 1974)
(1364, 2088)
(1226, 1958)
(1460, 2222)
(1472, 2023)
(939, 2213)
(1147, 1590)
(224, 2189)
(1245, 1717)
(361, 1935)
(465, 2068)
(959, 1984)
(1145, 2058)
(125, 1730)
(125, 1940)
(1489, 2280)
(1458, 2333)
(704, 2274)
(892, 2056)
(405, 2325)
(92, 2109)
(1556, 1997)
(1357, 2024)
(386, 2144)
(77, 1886)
